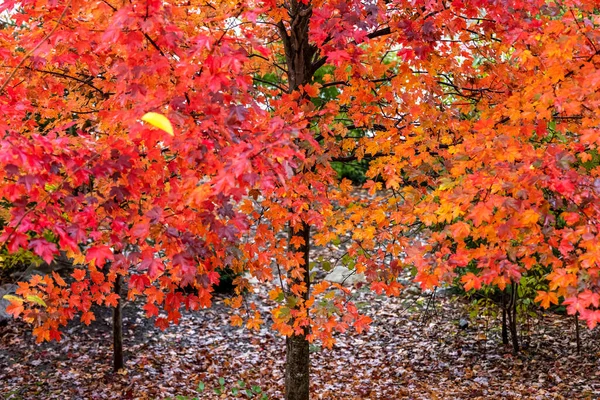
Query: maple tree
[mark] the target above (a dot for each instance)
(476, 118)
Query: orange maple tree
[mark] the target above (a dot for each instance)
(477, 118)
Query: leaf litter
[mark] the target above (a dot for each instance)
(413, 350)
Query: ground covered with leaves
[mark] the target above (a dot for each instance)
(415, 349)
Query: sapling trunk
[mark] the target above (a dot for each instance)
(512, 319)
(504, 325)
(297, 360)
(118, 360)
(577, 333)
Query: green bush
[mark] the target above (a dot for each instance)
(239, 390)
(352, 170)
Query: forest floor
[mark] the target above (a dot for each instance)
(414, 350)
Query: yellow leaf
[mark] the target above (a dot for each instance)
(159, 121)
(10, 297)
(37, 300)
(446, 183)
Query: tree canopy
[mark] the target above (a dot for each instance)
(478, 120)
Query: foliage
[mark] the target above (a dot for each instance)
(478, 120)
(11, 262)
(352, 170)
(238, 390)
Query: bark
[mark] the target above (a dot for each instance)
(577, 333)
(300, 56)
(504, 325)
(297, 360)
(118, 360)
(512, 319)
(297, 371)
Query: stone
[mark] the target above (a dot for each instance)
(8, 288)
(344, 276)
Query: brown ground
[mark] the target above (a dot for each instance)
(406, 355)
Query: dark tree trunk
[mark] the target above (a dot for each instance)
(577, 333)
(297, 358)
(118, 361)
(300, 60)
(297, 368)
(504, 325)
(512, 319)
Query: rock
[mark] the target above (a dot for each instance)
(343, 275)
(463, 324)
(413, 290)
(444, 291)
(5, 289)
(59, 264)
(29, 272)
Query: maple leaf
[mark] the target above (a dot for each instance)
(362, 323)
(59, 281)
(140, 230)
(87, 317)
(297, 241)
(236, 320)
(154, 266)
(139, 282)
(151, 310)
(112, 300)
(471, 281)
(99, 254)
(161, 323)
(545, 298)
(44, 249)
(15, 308)
(41, 333)
(78, 274)
(588, 298)
(378, 287)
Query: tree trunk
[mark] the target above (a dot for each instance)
(297, 368)
(118, 361)
(297, 360)
(300, 56)
(512, 319)
(577, 333)
(504, 325)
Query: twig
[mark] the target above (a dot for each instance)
(30, 52)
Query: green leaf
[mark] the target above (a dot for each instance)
(201, 387)
(36, 299)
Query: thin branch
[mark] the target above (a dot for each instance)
(271, 83)
(86, 82)
(30, 52)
